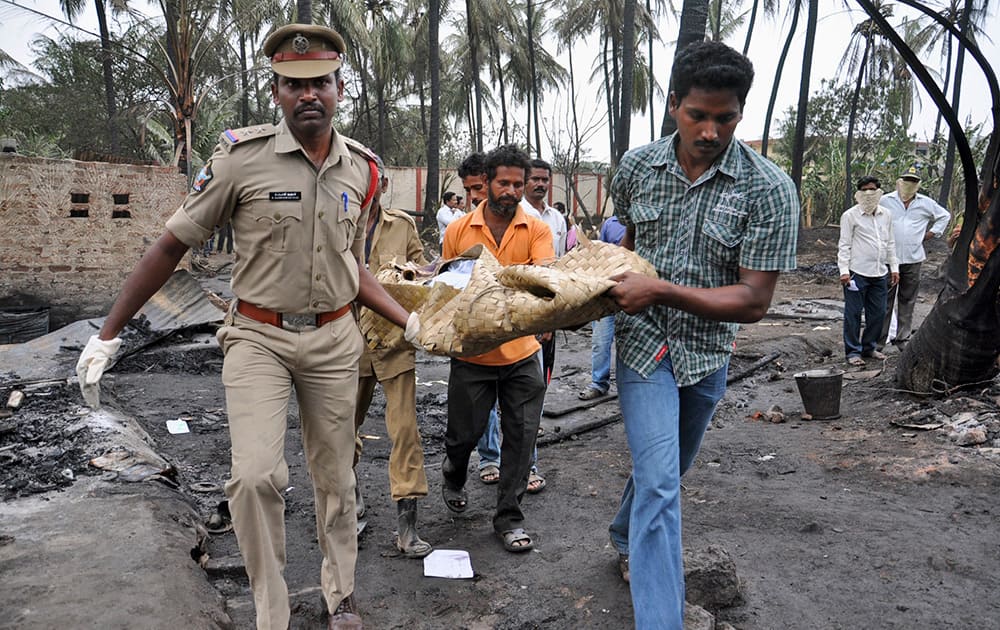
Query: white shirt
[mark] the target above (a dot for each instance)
(446, 214)
(555, 221)
(866, 244)
(910, 224)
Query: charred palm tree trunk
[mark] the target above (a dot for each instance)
(959, 342)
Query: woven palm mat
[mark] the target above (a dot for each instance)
(503, 303)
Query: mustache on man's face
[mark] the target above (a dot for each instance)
(310, 107)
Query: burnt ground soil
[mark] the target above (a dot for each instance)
(848, 523)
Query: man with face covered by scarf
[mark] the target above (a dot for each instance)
(866, 256)
(915, 218)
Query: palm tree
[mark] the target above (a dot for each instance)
(798, 150)
(303, 11)
(723, 20)
(934, 35)
(873, 60)
(965, 22)
(472, 33)
(796, 5)
(71, 9)
(770, 8)
(694, 16)
(434, 132)
(628, 65)
(585, 16)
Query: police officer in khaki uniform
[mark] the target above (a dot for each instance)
(393, 238)
(297, 194)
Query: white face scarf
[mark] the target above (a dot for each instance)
(907, 190)
(868, 199)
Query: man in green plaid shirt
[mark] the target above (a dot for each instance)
(718, 222)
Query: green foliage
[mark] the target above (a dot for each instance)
(882, 145)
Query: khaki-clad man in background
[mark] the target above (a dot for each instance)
(298, 195)
(392, 237)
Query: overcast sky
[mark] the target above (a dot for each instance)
(18, 27)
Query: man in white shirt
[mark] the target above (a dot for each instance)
(451, 210)
(865, 249)
(536, 192)
(915, 218)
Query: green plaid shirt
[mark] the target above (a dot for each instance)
(742, 212)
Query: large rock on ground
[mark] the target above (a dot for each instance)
(697, 618)
(711, 580)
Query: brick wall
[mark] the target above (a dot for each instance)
(71, 231)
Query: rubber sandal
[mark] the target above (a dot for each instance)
(516, 540)
(455, 500)
(489, 474)
(590, 394)
(538, 480)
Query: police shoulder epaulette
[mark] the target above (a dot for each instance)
(357, 147)
(232, 137)
(372, 161)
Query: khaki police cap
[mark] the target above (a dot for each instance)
(304, 51)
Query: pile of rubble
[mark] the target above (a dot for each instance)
(45, 443)
(972, 420)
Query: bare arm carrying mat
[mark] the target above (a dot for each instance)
(502, 303)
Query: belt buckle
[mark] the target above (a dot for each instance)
(298, 322)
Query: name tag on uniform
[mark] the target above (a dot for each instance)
(285, 196)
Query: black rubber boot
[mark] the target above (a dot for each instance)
(407, 541)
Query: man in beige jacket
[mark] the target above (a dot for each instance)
(392, 237)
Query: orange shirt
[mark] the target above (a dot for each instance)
(527, 241)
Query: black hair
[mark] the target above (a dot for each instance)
(540, 163)
(473, 164)
(711, 66)
(506, 155)
(447, 196)
(868, 179)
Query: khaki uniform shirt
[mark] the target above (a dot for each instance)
(394, 239)
(298, 232)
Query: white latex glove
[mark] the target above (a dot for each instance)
(90, 367)
(412, 331)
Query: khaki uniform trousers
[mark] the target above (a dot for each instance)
(262, 363)
(407, 479)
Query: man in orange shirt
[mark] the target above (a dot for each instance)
(511, 373)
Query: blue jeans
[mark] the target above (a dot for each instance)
(600, 353)
(488, 446)
(870, 297)
(664, 425)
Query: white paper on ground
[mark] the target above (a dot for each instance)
(177, 426)
(448, 563)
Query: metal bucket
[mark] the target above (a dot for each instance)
(820, 391)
